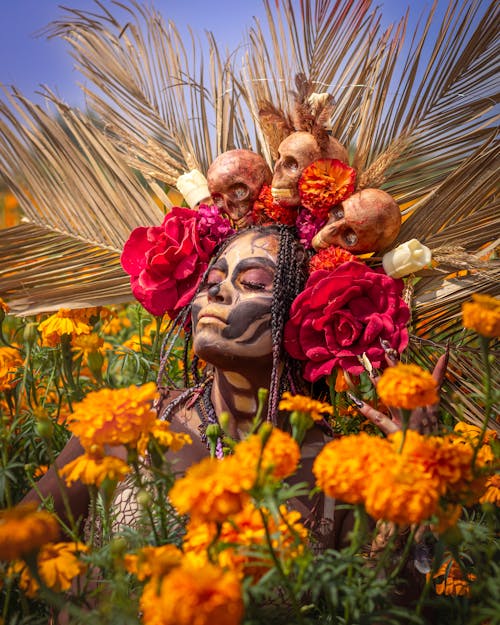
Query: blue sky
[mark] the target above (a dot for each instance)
(28, 61)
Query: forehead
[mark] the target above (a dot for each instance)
(251, 245)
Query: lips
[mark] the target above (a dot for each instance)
(209, 314)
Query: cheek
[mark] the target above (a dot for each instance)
(249, 321)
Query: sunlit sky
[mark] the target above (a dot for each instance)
(28, 60)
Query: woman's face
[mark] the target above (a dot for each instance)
(232, 313)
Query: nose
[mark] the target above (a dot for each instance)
(220, 292)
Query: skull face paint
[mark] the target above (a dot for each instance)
(368, 221)
(232, 312)
(235, 179)
(297, 152)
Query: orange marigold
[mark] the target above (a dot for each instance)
(330, 257)
(114, 416)
(58, 564)
(10, 360)
(242, 543)
(482, 315)
(211, 490)
(407, 386)
(266, 209)
(492, 490)
(280, 454)
(449, 579)
(153, 561)
(161, 431)
(24, 529)
(93, 469)
(191, 595)
(301, 403)
(344, 466)
(325, 183)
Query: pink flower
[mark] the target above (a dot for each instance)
(342, 314)
(308, 225)
(166, 262)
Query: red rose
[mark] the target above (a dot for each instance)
(166, 262)
(342, 314)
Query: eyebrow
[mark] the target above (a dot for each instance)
(220, 264)
(252, 263)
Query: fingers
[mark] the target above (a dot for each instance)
(383, 422)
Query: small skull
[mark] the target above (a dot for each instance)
(296, 152)
(235, 179)
(368, 221)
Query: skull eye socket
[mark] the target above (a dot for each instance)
(291, 164)
(239, 191)
(350, 237)
(337, 213)
(218, 200)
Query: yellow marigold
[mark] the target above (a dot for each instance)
(161, 431)
(93, 470)
(210, 490)
(10, 360)
(300, 403)
(153, 561)
(449, 579)
(58, 564)
(280, 457)
(492, 490)
(241, 540)
(24, 529)
(114, 416)
(344, 466)
(191, 595)
(482, 315)
(407, 386)
(472, 432)
(63, 322)
(114, 324)
(325, 183)
(400, 492)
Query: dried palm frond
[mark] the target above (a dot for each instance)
(43, 270)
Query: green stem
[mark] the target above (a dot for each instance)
(484, 343)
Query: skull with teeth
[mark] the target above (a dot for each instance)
(367, 221)
(296, 152)
(235, 180)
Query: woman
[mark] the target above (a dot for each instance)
(238, 316)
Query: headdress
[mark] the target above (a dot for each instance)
(430, 143)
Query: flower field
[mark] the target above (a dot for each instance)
(219, 544)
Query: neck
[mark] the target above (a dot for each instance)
(237, 394)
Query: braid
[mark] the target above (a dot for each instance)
(288, 281)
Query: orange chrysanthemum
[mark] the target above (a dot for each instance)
(58, 564)
(325, 183)
(24, 529)
(407, 386)
(266, 209)
(280, 456)
(211, 490)
(329, 258)
(242, 542)
(114, 416)
(301, 403)
(10, 360)
(63, 322)
(191, 595)
(482, 315)
(93, 470)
